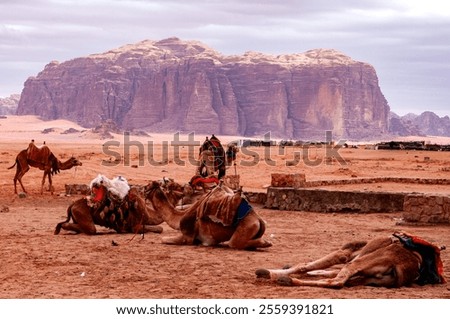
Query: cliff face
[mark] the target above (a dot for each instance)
(8, 105)
(173, 85)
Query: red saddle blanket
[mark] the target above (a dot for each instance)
(432, 268)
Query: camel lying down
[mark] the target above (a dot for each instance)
(218, 218)
(394, 261)
(131, 215)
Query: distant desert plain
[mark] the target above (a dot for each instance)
(35, 263)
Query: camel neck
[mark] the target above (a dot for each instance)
(65, 165)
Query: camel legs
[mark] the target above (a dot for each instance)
(178, 240)
(85, 226)
(21, 169)
(82, 223)
(18, 177)
(370, 269)
(243, 239)
(50, 187)
(78, 228)
(340, 256)
(248, 234)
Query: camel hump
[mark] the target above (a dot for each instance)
(39, 154)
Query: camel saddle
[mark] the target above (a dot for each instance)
(198, 179)
(38, 154)
(432, 268)
(215, 142)
(223, 208)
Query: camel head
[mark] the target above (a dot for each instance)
(75, 162)
(177, 189)
(151, 187)
(154, 188)
(71, 162)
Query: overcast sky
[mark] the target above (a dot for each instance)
(407, 41)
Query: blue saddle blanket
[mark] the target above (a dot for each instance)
(242, 211)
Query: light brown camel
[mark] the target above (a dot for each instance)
(43, 159)
(130, 216)
(217, 218)
(391, 261)
(175, 192)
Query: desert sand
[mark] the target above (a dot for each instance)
(37, 264)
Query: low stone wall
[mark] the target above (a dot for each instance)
(319, 200)
(426, 208)
(288, 180)
(416, 208)
(404, 180)
(256, 197)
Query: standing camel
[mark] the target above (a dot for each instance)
(212, 158)
(42, 158)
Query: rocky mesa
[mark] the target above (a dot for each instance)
(174, 85)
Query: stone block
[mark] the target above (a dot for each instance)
(288, 180)
(73, 189)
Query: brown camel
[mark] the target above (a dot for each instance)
(212, 158)
(130, 216)
(217, 218)
(392, 261)
(43, 159)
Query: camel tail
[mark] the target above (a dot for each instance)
(13, 165)
(69, 216)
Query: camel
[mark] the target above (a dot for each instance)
(43, 159)
(390, 261)
(212, 158)
(131, 215)
(231, 153)
(217, 218)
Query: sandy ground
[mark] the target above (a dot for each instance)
(37, 264)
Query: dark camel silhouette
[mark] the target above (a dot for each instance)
(212, 158)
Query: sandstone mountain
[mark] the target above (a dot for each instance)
(173, 85)
(8, 105)
(427, 123)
